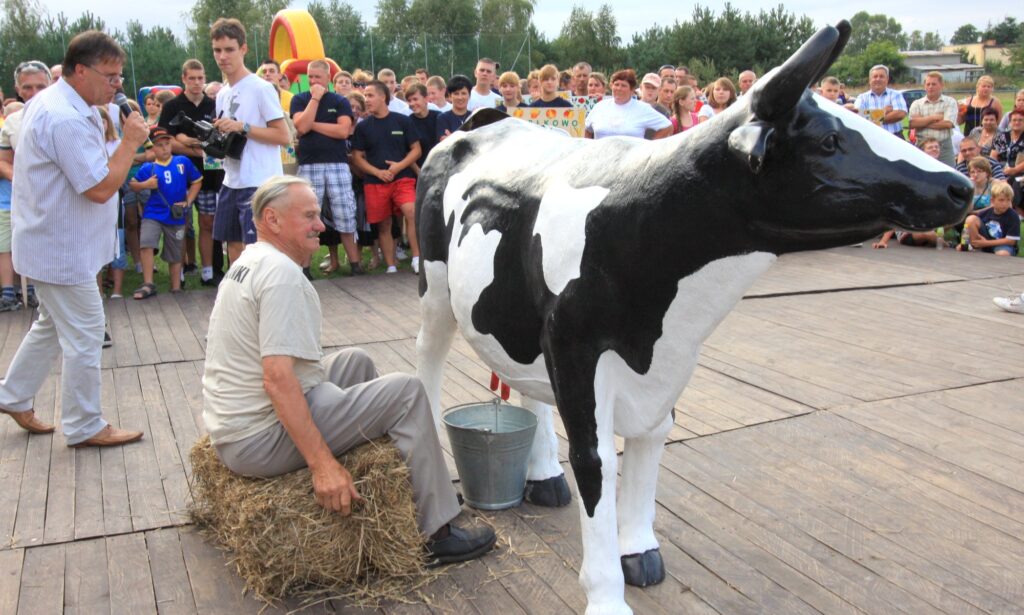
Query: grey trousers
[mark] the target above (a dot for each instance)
(354, 406)
(70, 328)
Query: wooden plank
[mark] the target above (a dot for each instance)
(488, 594)
(30, 523)
(42, 581)
(117, 512)
(12, 466)
(853, 513)
(538, 561)
(950, 483)
(942, 444)
(60, 494)
(145, 488)
(179, 412)
(125, 348)
(215, 587)
(164, 338)
(11, 563)
(785, 533)
(18, 324)
(178, 324)
(131, 584)
(510, 567)
(790, 386)
(145, 345)
(882, 551)
(168, 458)
(196, 307)
(170, 578)
(86, 584)
(88, 494)
(191, 377)
(783, 562)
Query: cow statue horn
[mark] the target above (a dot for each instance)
(780, 91)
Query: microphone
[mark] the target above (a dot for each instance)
(122, 103)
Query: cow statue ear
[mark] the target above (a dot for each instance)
(749, 143)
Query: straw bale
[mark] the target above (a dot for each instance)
(282, 543)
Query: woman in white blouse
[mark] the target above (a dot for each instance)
(624, 116)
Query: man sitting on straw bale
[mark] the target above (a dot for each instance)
(274, 404)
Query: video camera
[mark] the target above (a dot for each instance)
(215, 143)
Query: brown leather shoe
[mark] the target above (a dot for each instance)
(110, 436)
(28, 421)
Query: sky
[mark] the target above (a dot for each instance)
(943, 16)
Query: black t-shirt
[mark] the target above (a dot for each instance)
(557, 102)
(205, 110)
(426, 132)
(450, 122)
(313, 146)
(999, 226)
(387, 138)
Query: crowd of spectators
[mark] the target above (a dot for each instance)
(360, 139)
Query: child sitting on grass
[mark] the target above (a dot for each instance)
(996, 228)
(175, 183)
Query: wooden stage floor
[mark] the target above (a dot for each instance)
(852, 442)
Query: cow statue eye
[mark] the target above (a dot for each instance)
(830, 143)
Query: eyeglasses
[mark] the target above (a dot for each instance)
(359, 84)
(114, 80)
(31, 66)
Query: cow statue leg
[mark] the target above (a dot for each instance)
(545, 479)
(601, 572)
(437, 329)
(641, 558)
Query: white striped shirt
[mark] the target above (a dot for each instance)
(60, 236)
(890, 97)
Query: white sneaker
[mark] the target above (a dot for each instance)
(416, 264)
(400, 254)
(1013, 304)
(392, 269)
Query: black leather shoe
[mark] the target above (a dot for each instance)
(460, 545)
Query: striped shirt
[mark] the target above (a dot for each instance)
(890, 97)
(997, 170)
(60, 236)
(923, 107)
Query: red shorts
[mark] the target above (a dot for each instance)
(383, 200)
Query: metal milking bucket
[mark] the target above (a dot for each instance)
(491, 444)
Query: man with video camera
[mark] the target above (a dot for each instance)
(198, 107)
(249, 106)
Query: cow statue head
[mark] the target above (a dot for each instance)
(829, 177)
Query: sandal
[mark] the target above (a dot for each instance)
(145, 291)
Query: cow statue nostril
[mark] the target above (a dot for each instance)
(961, 191)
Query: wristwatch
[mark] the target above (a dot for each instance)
(245, 128)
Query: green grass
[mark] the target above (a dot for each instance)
(133, 280)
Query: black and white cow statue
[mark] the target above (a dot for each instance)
(587, 274)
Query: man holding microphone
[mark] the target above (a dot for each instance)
(64, 214)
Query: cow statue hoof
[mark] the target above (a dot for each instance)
(551, 492)
(643, 569)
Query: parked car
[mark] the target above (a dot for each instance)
(911, 95)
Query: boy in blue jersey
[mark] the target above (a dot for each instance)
(175, 183)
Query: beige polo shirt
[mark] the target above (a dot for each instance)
(265, 307)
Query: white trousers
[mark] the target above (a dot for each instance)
(70, 321)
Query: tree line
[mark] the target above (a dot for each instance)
(447, 36)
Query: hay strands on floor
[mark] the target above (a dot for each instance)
(283, 544)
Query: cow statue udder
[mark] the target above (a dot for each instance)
(587, 274)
